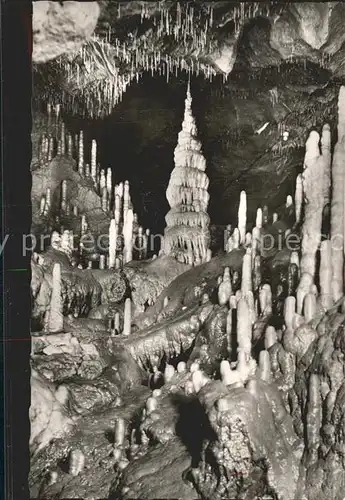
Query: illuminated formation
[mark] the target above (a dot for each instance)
(187, 236)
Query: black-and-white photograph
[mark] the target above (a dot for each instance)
(187, 250)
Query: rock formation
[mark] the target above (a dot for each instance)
(187, 236)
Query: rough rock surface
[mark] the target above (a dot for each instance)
(62, 27)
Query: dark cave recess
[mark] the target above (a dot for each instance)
(138, 139)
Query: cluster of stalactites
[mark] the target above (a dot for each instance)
(187, 236)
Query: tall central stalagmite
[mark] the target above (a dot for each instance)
(187, 235)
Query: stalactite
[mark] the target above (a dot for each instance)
(55, 324)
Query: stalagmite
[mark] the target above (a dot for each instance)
(104, 199)
(125, 199)
(199, 380)
(265, 299)
(117, 322)
(225, 289)
(51, 149)
(275, 217)
(128, 237)
(169, 373)
(256, 239)
(102, 181)
(151, 405)
(102, 261)
(181, 367)
(119, 432)
(81, 154)
(94, 160)
(258, 222)
(298, 198)
(229, 331)
(265, 366)
(42, 205)
(87, 170)
(289, 201)
(244, 327)
(326, 297)
(127, 319)
(312, 178)
(270, 337)
(186, 236)
(109, 182)
(337, 204)
(294, 258)
(309, 308)
(69, 145)
(76, 462)
(226, 373)
(246, 284)
(289, 311)
(63, 139)
(257, 272)
(55, 324)
(112, 243)
(313, 418)
(248, 240)
(63, 195)
(265, 215)
(305, 283)
(242, 216)
(326, 153)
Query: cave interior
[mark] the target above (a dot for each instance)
(188, 207)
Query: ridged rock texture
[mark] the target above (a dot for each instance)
(187, 235)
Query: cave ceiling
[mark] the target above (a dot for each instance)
(263, 75)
